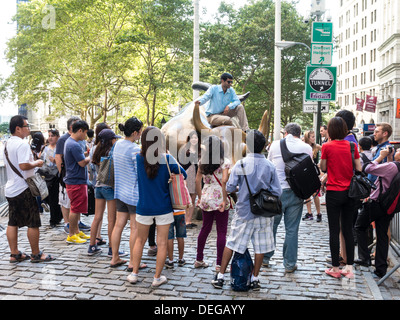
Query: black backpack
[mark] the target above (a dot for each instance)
(390, 200)
(301, 172)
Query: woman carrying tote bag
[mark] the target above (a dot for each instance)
(154, 200)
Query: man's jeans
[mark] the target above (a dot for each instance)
(292, 208)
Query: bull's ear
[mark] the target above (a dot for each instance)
(244, 96)
(201, 86)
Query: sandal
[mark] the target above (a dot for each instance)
(348, 275)
(35, 258)
(100, 241)
(142, 266)
(119, 263)
(20, 256)
(200, 264)
(334, 274)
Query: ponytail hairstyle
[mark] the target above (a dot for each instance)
(131, 125)
(153, 147)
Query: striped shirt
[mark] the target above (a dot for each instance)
(126, 186)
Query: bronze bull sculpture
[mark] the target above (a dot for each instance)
(193, 118)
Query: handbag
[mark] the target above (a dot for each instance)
(105, 175)
(37, 185)
(231, 196)
(360, 185)
(263, 203)
(50, 175)
(179, 193)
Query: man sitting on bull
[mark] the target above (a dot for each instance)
(224, 104)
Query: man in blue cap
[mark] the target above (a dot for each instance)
(223, 104)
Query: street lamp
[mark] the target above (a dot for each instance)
(287, 44)
(282, 45)
(277, 73)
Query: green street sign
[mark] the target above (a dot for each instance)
(322, 32)
(320, 83)
(321, 54)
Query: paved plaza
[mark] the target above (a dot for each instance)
(76, 276)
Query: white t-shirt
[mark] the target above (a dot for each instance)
(19, 151)
(294, 145)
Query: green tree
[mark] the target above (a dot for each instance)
(242, 42)
(4, 127)
(102, 56)
(161, 37)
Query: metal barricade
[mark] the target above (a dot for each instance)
(395, 228)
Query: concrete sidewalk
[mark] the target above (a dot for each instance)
(74, 275)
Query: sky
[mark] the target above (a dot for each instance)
(7, 31)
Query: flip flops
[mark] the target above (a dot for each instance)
(142, 266)
(119, 263)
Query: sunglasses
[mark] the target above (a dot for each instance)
(230, 81)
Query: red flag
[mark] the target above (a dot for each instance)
(370, 104)
(398, 109)
(360, 104)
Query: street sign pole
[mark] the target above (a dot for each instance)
(319, 121)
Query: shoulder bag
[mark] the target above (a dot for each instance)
(105, 175)
(231, 196)
(360, 185)
(37, 185)
(263, 203)
(179, 193)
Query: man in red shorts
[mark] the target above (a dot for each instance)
(76, 180)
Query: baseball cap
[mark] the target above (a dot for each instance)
(108, 134)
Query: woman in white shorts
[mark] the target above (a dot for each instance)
(154, 199)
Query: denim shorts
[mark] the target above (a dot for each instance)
(105, 192)
(179, 226)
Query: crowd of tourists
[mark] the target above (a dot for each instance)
(97, 171)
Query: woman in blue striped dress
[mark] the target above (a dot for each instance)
(126, 188)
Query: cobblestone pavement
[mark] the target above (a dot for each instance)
(74, 275)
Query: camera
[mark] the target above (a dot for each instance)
(390, 148)
(36, 144)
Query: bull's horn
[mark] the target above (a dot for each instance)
(198, 124)
(201, 86)
(263, 128)
(243, 97)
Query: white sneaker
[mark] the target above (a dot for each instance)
(45, 206)
(132, 278)
(157, 283)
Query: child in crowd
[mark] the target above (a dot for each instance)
(212, 198)
(178, 229)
